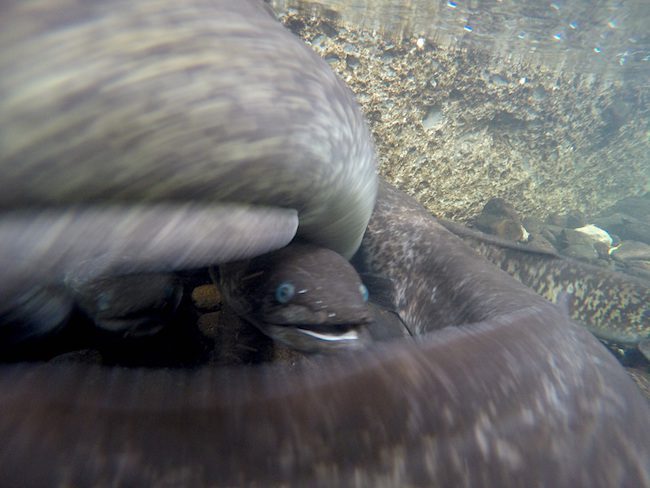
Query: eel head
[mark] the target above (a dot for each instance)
(305, 296)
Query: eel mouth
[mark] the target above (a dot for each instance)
(330, 333)
(318, 338)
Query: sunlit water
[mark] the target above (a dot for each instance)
(600, 36)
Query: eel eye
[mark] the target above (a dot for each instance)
(364, 292)
(284, 292)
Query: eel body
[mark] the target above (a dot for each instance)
(157, 135)
(305, 296)
(613, 306)
(500, 389)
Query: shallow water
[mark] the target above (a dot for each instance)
(597, 36)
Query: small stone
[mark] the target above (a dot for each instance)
(498, 80)
(206, 297)
(602, 249)
(533, 224)
(583, 252)
(550, 237)
(509, 229)
(209, 324)
(501, 219)
(596, 233)
(538, 241)
(571, 237)
(352, 61)
(571, 221)
(498, 207)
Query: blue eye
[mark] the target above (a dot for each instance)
(364, 292)
(284, 292)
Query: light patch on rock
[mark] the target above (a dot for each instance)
(596, 233)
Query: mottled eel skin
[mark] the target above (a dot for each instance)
(613, 306)
(500, 390)
(160, 135)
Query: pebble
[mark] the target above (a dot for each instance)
(501, 219)
(572, 237)
(571, 221)
(596, 233)
(209, 324)
(584, 252)
(206, 297)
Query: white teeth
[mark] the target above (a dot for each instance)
(348, 336)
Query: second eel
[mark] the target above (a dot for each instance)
(499, 389)
(615, 307)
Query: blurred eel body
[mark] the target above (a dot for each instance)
(613, 306)
(158, 135)
(500, 389)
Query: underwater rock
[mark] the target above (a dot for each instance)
(555, 233)
(625, 227)
(208, 324)
(541, 234)
(533, 225)
(498, 207)
(635, 207)
(595, 232)
(572, 237)
(570, 221)
(206, 297)
(540, 241)
(629, 250)
(583, 252)
(510, 229)
(501, 219)
(587, 243)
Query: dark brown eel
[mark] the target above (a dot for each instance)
(614, 306)
(500, 389)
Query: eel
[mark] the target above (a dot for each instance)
(305, 296)
(153, 136)
(499, 388)
(615, 307)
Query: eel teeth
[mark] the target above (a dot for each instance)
(347, 336)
